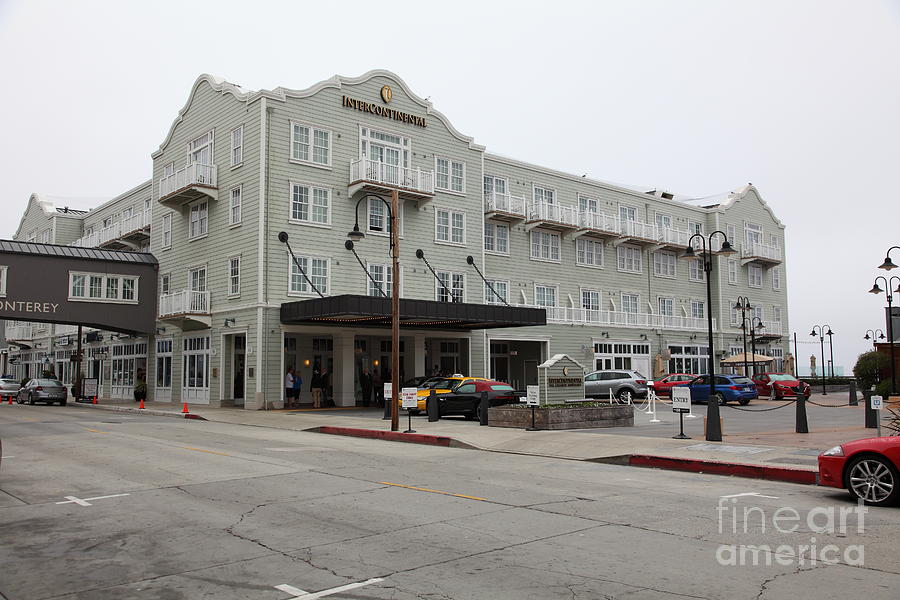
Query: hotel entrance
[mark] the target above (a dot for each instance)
(516, 361)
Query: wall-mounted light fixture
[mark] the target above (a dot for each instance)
(375, 362)
(229, 322)
(643, 336)
(306, 363)
(160, 330)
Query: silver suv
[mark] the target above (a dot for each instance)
(624, 384)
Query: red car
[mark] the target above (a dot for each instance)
(663, 387)
(780, 386)
(866, 468)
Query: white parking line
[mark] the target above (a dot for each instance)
(757, 494)
(301, 595)
(85, 501)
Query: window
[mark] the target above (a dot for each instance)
(629, 258)
(197, 278)
(195, 353)
(502, 289)
(3, 281)
(167, 230)
(776, 278)
(310, 144)
(45, 236)
(627, 213)
(235, 215)
(586, 204)
(732, 271)
(455, 282)
(753, 234)
(542, 194)
(494, 186)
(164, 363)
(101, 287)
(698, 309)
(776, 314)
(664, 264)
(630, 303)
(310, 204)
(735, 315)
(693, 228)
(588, 253)
(237, 146)
(449, 175)
(590, 300)
(449, 226)
(754, 276)
(378, 219)
(32, 236)
(757, 313)
(663, 221)
(496, 238)
(545, 295)
(200, 150)
(199, 224)
(696, 272)
(667, 307)
(384, 276)
(544, 246)
(234, 276)
(316, 270)
(165, 283)
(731, 232)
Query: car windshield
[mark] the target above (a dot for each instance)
(8, 381)
(782, 377)
(741, 380)
(502, 387)
(439, 383)
(49, 382)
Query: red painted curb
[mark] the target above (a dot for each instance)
(785, 474)
(193, 416)
(393, 436)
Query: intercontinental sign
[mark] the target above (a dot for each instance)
(383, 111)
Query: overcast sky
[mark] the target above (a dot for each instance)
(801, 98)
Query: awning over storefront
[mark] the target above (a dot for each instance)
(371, 311)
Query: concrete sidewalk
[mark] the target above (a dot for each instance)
(781, 455)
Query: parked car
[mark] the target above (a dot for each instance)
(9, 387)
(866, 468)
(624, 384)
(43, 390)
(728, 388)
(663, 386)
(780, 386)
(440, 385)
(465, 398)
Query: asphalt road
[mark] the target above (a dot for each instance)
(101, 506)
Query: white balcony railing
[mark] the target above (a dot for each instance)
(542, 211)
(19, 332)
(757, 250)
(109, 233)
(770, 328)
(136, 222)
(417, 180)
(675, 237)
(598, 222)
(65, 330)
(636, 229)
(514, 205)
(92, 240)
(184, 302)
(194, 174)
(582, 316)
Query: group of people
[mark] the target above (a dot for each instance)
(371, 382)
(317, 387)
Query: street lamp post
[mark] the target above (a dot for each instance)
(356, 235)
(758, 325)
(822, 335)
(890, 317)
(743, 305)
(877, 334)
(713, 426)
(887, 265)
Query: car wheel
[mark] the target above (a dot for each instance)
(873, 479)
(30, 399)
(719, 398)
(19, 399)
(471, 416)
(777, 396)
(626, 395)
(62, 402)
(744, 401)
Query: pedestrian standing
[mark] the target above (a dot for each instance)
(378, 386)
(298, 381)
(288, 386)
(315, 388)
(365, 382)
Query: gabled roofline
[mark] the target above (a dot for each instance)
(49, 209)
(281, 94)
(137, 188)
(740, 194)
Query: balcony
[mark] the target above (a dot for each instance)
(504, 207)
(597, 225)
(771, 331)
(186, 309)
(193, 182)
(762, 253)
(378, 177)
(635, 232)
(609, 318)
(673, 238)
(19, 333)
(91, 240)
(551, 216)
(131, 233)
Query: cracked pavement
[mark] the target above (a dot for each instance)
(222, 511)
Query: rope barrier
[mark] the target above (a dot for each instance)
(759, 409)
(827, 405)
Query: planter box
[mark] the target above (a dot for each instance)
(576, 417)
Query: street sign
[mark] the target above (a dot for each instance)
(409, 397)
(876, 402)
(388, 390)
(681, 399)
(532, 395)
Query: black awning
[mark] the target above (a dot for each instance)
(371, 311)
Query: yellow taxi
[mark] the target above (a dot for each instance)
(440, 385)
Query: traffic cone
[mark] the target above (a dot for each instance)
(141, 407)
(95, 399)
(185, 410)
(10, 399)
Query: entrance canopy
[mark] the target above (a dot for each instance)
(738, 359)
(371, 311)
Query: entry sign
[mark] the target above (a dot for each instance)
(89, 388)
(532, 395)
(388, 390)
(410, 397)
(876, 402)
(681, 399)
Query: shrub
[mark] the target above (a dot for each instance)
(868, 367)
(883, 389)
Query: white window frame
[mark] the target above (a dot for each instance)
(237, 149)
(776, 279)
(310, 204)
(581, 254)
(191, 150)
(105, 278)
(660, 218)
(659, 304)
(591, 291)
(386, 282)
(235, 219)
(385, 215)
(450, 227)
(544, 286)
(200, 220)
(752, 281)
(667, 268)
(555, 243)
(588, 204)
(628, 209)
(3, 270)
(732, 267)
(776, 313)
(702, 305)
(696, 271)
(490, 298)
(451, 163)
(202, 278)
(165, 283)
(311, 143)
(439, 289)
(166, 231)
(234, 280)
(307, 269)
(637, 302)
(547, 194)
(495, 239)
(624, 260)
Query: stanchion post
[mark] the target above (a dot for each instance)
(431, 407)
(871, 417)
(801, 426)
(854, 401)
(533, 427)
(386, 416)
(483, 406)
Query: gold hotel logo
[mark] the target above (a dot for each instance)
(383, 111)
(387, 94)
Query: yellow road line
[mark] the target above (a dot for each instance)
(95, 430)
(207, 451)
(421, 489)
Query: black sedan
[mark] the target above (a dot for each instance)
(465, 398)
